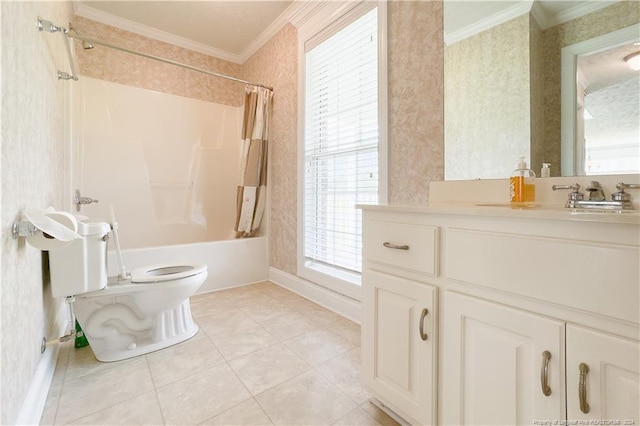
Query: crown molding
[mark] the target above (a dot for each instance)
(547, 21)
(290, 14)
(85, 11)
(489, 22)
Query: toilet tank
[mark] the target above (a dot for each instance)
(81, 266)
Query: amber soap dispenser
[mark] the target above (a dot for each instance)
(522, 186)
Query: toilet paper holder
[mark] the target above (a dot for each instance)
(46, 230)
(23, 229)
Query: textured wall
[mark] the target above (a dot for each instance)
(119, 67)
(416, 90)
(32, 178)
(536, 73)
(612, 18)
(276, 65)
(487, 102)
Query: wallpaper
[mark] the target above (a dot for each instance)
(120, 67)
(614, 17)
(536, 79)
(33, 117)
(487, 102)
(276, 65)
(416, 90)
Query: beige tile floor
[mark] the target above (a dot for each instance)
(264, 355)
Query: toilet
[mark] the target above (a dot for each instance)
(124, 316)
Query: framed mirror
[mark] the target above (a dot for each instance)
(503, 80)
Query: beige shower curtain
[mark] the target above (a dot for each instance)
(252, 189)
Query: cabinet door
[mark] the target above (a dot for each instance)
(495, 364)
(610, 374)
(398, 344)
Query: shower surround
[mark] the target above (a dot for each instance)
(167, 164)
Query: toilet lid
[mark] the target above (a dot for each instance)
(165, 272)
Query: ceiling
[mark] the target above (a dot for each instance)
(223, 28)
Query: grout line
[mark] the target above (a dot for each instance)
(155, 390)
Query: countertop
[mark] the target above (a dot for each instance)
(504, 210)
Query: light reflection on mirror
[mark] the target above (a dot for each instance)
(611, 115)
(601, 105)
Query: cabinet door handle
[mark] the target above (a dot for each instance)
(395, 246)
(544, 374)
(423, 335)
(582, 388)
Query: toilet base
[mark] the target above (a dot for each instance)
(143, 348)
(116, 331)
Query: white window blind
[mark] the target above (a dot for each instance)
(341, 142)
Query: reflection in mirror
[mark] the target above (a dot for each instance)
(602, 105)
(502, 80)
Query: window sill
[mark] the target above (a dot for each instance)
(338, 280)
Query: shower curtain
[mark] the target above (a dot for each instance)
(252, 190)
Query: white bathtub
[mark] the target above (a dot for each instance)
(231, 262)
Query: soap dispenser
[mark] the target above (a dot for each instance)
(545, 172)
(522, 186)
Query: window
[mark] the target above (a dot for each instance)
(341, 160)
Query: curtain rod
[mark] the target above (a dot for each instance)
(92, 41)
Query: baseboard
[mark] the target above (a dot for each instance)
(33, 405)
(336, 302)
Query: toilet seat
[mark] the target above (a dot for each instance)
(165, 272)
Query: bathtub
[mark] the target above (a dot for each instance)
(230, 262)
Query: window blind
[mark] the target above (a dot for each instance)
(341, 142)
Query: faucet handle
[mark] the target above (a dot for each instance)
(574, 195)
(621, 195)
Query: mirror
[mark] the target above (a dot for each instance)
(601, 111)
(503, 81)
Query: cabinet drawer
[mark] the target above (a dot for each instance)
(407, 246)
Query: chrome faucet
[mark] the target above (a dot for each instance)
(595, 191)
(597, 200)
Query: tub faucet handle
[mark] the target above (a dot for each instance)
(80, 200)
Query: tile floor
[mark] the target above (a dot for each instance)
(264, 355)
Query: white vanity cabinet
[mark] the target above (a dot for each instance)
(517, 302)
(503, 366)
(603, 376)
(506, 366)
(399, 327)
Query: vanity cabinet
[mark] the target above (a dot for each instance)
(399, 327)
(506, 366)
(527, 316)
(503, 366)
(603, 376)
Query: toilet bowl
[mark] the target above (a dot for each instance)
(125, 316)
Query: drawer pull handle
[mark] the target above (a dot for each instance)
(423, 335)
(544, 374)
(582, 388)
(395, 246)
